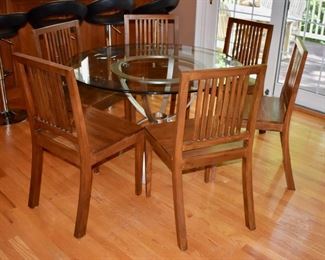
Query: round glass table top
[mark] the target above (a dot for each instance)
(146, 69)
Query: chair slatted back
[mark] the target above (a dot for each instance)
(58, 42)
(219, 106)
(155, 30)
(294, 74)
(151, 29)
(248, 41)
(48, 87)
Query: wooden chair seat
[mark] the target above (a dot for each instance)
(104, 130)
(165, 133)
(101, 136)
(270, 115)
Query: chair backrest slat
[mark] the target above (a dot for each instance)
(58, 42)
(248, 41)
(151, 29)
(219, 106)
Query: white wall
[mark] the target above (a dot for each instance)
(186, 13)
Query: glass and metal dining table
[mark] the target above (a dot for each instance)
(145, 70)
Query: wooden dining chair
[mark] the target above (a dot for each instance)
(213, 135)
(59, 43)
(248, 42)
(84, 139)
(275, 112)
(152, 29)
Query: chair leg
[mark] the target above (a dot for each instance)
(148, 162)
(208, 172)
(36, 176)
(172, 106)
(86, 178)
(96, 170)
(129, 111)
(139, 149)
(248, 193)
(286, 159)
(179, 209)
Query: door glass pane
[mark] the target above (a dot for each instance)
(306, 20)
(311, 76)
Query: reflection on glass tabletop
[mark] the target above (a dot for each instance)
(149, 69)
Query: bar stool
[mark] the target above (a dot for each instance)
(56, 12)
(108, 13)
(156, 7)
(9, 26)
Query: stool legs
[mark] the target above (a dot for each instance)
(108, 35)
(7, 116)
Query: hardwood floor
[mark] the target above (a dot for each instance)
(290, 224)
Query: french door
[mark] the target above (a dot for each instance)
(294, 18)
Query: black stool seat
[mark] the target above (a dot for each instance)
(156, 7)
(108, 12)
(11, 23)
(56, 12)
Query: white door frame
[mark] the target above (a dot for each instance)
(206, 23)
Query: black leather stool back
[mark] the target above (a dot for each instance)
(157, 7)
(108, 12)
(56, 12)
(11, 23)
